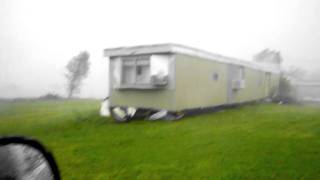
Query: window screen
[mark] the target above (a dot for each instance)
(136, 70)
(128, 74)
(143, 73)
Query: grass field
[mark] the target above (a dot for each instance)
(266, 141)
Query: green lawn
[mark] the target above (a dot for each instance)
(266, 141)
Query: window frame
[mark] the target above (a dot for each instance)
(135, 59)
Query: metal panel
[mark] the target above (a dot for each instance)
(199, 83)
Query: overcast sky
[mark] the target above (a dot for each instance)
(38, 38)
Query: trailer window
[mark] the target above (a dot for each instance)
(136, 70)
(143, 71)
(215, 76)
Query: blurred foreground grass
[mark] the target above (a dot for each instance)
(266, 141)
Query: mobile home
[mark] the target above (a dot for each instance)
(168, 80)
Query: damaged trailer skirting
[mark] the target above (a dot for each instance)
(124, 114)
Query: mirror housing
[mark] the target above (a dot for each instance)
(23, 157)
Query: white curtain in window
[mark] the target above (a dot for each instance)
(159, 65)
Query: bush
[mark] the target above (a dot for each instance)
(285, 92)
(50, 96)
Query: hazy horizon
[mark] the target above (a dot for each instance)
(38, 38)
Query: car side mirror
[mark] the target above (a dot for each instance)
(23, 158)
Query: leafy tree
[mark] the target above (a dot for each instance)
(77, 70)
(286, 91)
(268, 56)
(50, 96)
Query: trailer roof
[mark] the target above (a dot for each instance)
(181, 49)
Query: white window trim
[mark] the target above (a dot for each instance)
(135, 85)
